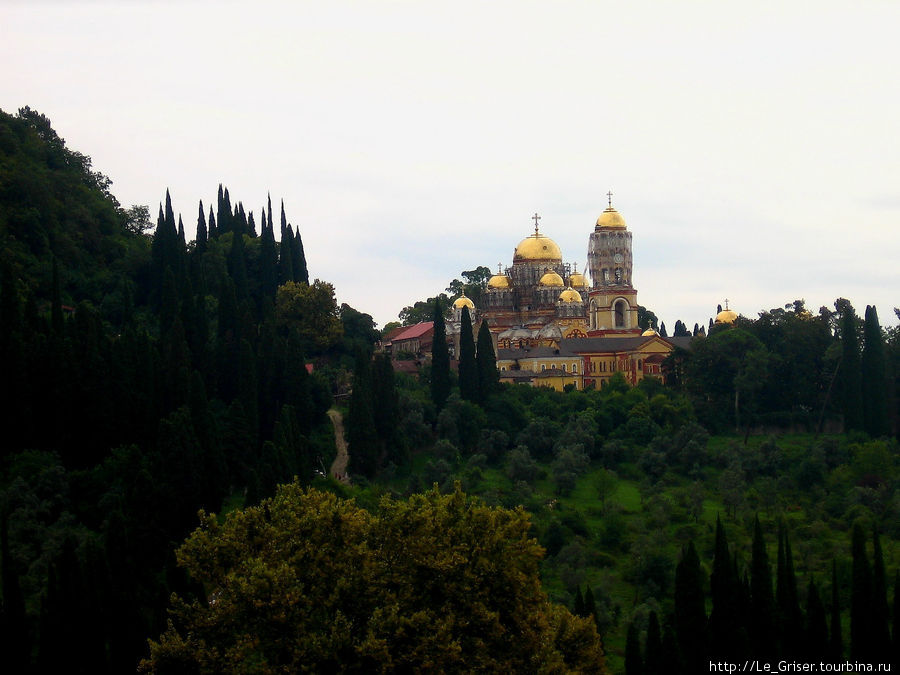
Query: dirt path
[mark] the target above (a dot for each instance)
(339, 465)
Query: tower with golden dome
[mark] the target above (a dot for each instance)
(612, 305)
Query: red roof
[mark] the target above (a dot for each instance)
(416, 331)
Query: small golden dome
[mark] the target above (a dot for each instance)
(728, 316)
(649, 332)
(577, 280)
(537, 247)
(551, 278)
(610, 219)
(570, 295)
(463, 301)
(499, 281)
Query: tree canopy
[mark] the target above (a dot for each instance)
(307, 580)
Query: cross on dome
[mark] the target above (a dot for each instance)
(535, 218)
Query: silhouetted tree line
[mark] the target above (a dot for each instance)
(741, 614)
(144, 378)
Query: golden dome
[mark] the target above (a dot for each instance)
(463, 301)
(537, 247)
(610, 219)
(577, 280)
(499, 281)
(551, 278)
(728, 316)
(570, 295)
(649, 332)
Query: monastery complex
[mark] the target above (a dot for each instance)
(555, 326)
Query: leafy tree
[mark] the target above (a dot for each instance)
(308, 580)
(423, 310)
(310, 313)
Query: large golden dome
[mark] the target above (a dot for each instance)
(570, 295)
(537, 247)
(610, 219)
(551, 278)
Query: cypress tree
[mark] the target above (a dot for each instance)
(849, 373)
(181, 238)
(468, 370)
(670, 652)
(896, 642)
(201, 238)
(690, 610)
(363, 445)
(724, 619)
(633, 662)
(874, 380)
(662, 330)
(790, 618)
(237, 267)
(762, 613)
(386, 407)
(268, 262)
(860, 600)
(300, 270)
(251, 226)
(578, 608)
(486, 360)
(817, 625)
(213, 230)
(285, 263)
(653, 663)
(440, 360)
(836, 640)
(881, 635)
(696, 330)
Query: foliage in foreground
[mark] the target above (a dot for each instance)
(308, 581)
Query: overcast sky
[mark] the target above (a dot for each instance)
(753, 148)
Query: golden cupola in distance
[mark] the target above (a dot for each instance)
(537, 248)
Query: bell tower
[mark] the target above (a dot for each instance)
(612, 307)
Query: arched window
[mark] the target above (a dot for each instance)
(620, 314)
(564, 367)
(574, 367)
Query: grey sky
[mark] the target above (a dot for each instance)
(753, 148)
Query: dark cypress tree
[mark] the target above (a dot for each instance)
(285, 263)
(849, 373)
(301, 273)
(725, 622)
(836, 640)
(633, 663)
(213, 230)
(790, 618)
(670, 652)
(653, 663)
(880, 616)
(468, 370)
(696, 330)
(816, 625)
(486, 360)
(440, 360)
(362, 441)
(386, 408)
(762, 613)
(268, 262)
(690, 610)
(251, 226)
(237, 267)
(578, 608)
(662, 330)
(896, 642)
(181, 238)
(200, 244)
(860, 600)
(874, 379)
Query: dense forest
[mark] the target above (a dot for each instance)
(747, 507)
